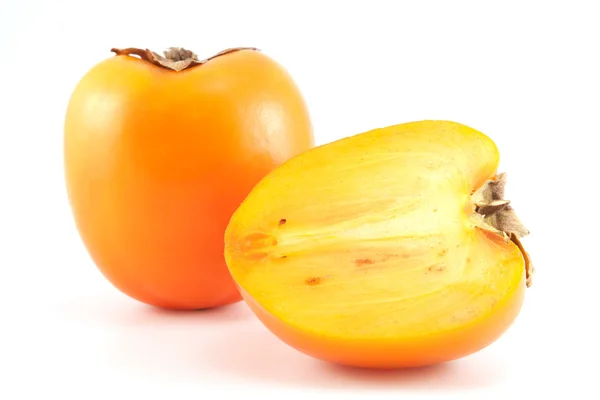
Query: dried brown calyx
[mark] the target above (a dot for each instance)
(174, 58)
(498, 216)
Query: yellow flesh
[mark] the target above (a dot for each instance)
(379, 238)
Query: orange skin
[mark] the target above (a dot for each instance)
(157, 161)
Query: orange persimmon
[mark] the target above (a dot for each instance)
(391, 248)
(160, 151)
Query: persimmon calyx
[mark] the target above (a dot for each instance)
(175, 58)
(495, 214)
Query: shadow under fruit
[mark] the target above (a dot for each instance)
(160, 151)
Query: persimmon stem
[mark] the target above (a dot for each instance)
(498, 216)
(143, 54)
(492, 207)
(175, 58)
(529, 270)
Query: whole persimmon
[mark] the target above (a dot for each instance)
(160, 151)
(392, 248)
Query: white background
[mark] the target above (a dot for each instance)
(525, 73)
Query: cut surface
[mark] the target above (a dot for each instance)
(374, 236)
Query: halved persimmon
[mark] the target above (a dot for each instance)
(391, 248)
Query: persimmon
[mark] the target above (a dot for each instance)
(387, 249)
(159, 152)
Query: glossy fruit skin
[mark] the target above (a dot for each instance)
(156, 161)
(350, 232)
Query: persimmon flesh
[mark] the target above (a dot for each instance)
(160, 151)
(392, 248)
